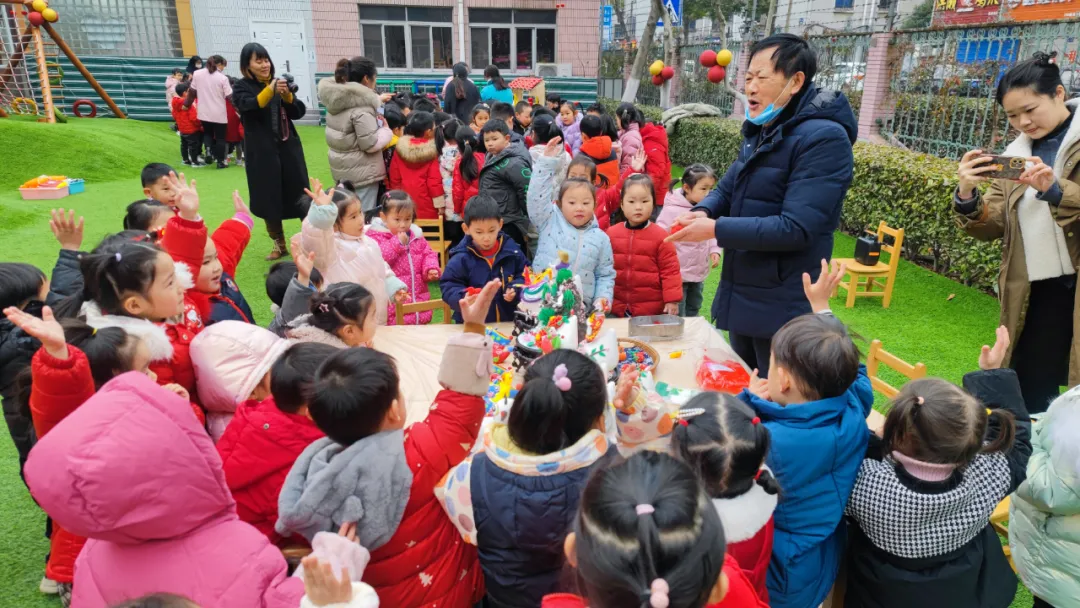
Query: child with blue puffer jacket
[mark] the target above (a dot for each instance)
(814, 404)
(569, 224)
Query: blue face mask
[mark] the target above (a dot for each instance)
(770, 112)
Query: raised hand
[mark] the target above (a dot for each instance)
(759, 386)
(187, 198)
(819, 292)
(46, 329)
(321, 586)
(637, 164)
(626, 389)
(305, 263)
(994, 358)
(238, 203)
(474, 308)
(317, 195)
(553, 148)
(67, 231)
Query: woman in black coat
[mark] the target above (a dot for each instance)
(461, 94)
(276, 170)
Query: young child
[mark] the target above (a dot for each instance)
(158, 186)
(570, 225)
(449, 154)
(726, 445)
(517, 497)
(647, 278)
(415, 168)
(646, 535)
(369, 472)
(395, 121)
(407, 252)
(505, 178)
(504, 112)
(628, 119)
(147, 215)
(234, 130)
(571, 125)
(654, 142)
(174, 78)
(695, 259)
(484, 255)
(216, 294)
(608, 196)
(266, 437)
(544, 130)
(343, 316)
(1045, 509)
(334, 232)
(189, 127)
(290, 285)
(178, 532)
(922, 501)
(470, 161)
(597, 146)
(481, 113)
(232, 365)
(814, 404)
(522, 117)
(553, 102)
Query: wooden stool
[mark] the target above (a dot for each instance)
(400, 310)
(877, 280)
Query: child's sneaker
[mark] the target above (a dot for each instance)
(48, 586)
(187, 163)
(64, 591)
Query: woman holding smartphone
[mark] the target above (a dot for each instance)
(1035, 216)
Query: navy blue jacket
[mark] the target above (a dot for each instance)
(776, 210)
(467, 268)
(229, 304)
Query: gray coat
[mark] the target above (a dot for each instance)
(355, 132)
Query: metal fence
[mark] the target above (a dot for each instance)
(943, 82)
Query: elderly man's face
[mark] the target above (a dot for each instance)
(765, 84)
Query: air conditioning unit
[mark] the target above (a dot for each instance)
(554, 70)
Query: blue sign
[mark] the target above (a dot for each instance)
(606, 23)
(671, 8)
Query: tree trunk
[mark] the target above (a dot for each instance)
(643, 48)
(619, 8)
(771, 18)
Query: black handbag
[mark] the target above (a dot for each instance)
(868, 249)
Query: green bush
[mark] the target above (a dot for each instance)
(906, 189)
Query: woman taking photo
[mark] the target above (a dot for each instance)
(496, 89)
(354, 131)
(276, 171)
(210, 86)
(1035, 216)
(461, 94)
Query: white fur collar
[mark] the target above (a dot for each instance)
(152, 334)
(300, 331)
(183, 274)
(378, 225)
(746, 514)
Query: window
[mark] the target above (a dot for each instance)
(515, 40)
(845, 5)
(408, 37)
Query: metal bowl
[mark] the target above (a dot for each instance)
(657, 327)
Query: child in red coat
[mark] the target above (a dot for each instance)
(189, 127)
(648, 280)
(655, 503)
(466, 181)
(373, 472)
(415, 167)
(266, 437)
(234, 131)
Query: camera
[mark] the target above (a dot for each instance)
(290, 82)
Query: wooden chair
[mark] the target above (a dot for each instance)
(433, 234)
(879, 356)
(400, 310)
(294, 554)
(999, 519)
(877, 280)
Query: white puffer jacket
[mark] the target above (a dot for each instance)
(355, 132)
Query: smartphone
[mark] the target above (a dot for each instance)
(1006, 167)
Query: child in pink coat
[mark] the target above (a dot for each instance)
(134, 472)
(405, 250)
(696, 260)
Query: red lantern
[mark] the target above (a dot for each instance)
(36, 19)
(667, 73)
(707, 58)
(658, 80)
(716, 74)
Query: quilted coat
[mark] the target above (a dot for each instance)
(228, 304)
(59, 387)
(654, 140)
(231, 358)
(505, 177)
(179, 532)
(1044, 518)
(257, 450)
(410, 263)
(588, 246)
(187, 121)
(693, 257)
(386, 484)
(817, 449)
(777, 208)
(354, 132)
(571, 134)
(647, 270)
(467, 268)
(630, 142)
(462, 190)
(415, 169)
(347, 259)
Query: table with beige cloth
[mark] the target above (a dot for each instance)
(418, 350)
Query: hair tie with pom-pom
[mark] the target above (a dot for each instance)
(324, 307)
(755, 421)
(561, 378)
(645, 509)
(658, 594)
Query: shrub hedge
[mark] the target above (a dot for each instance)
(906, 189)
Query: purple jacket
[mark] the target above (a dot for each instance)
(693, 257)
(134, 472)
(571, 135)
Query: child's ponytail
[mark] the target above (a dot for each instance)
(1002, 424)
(562, 399)
(692, 175)
(469, 144)
(109, 350)
(339, 305)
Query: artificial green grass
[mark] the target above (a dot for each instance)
(923, 324)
